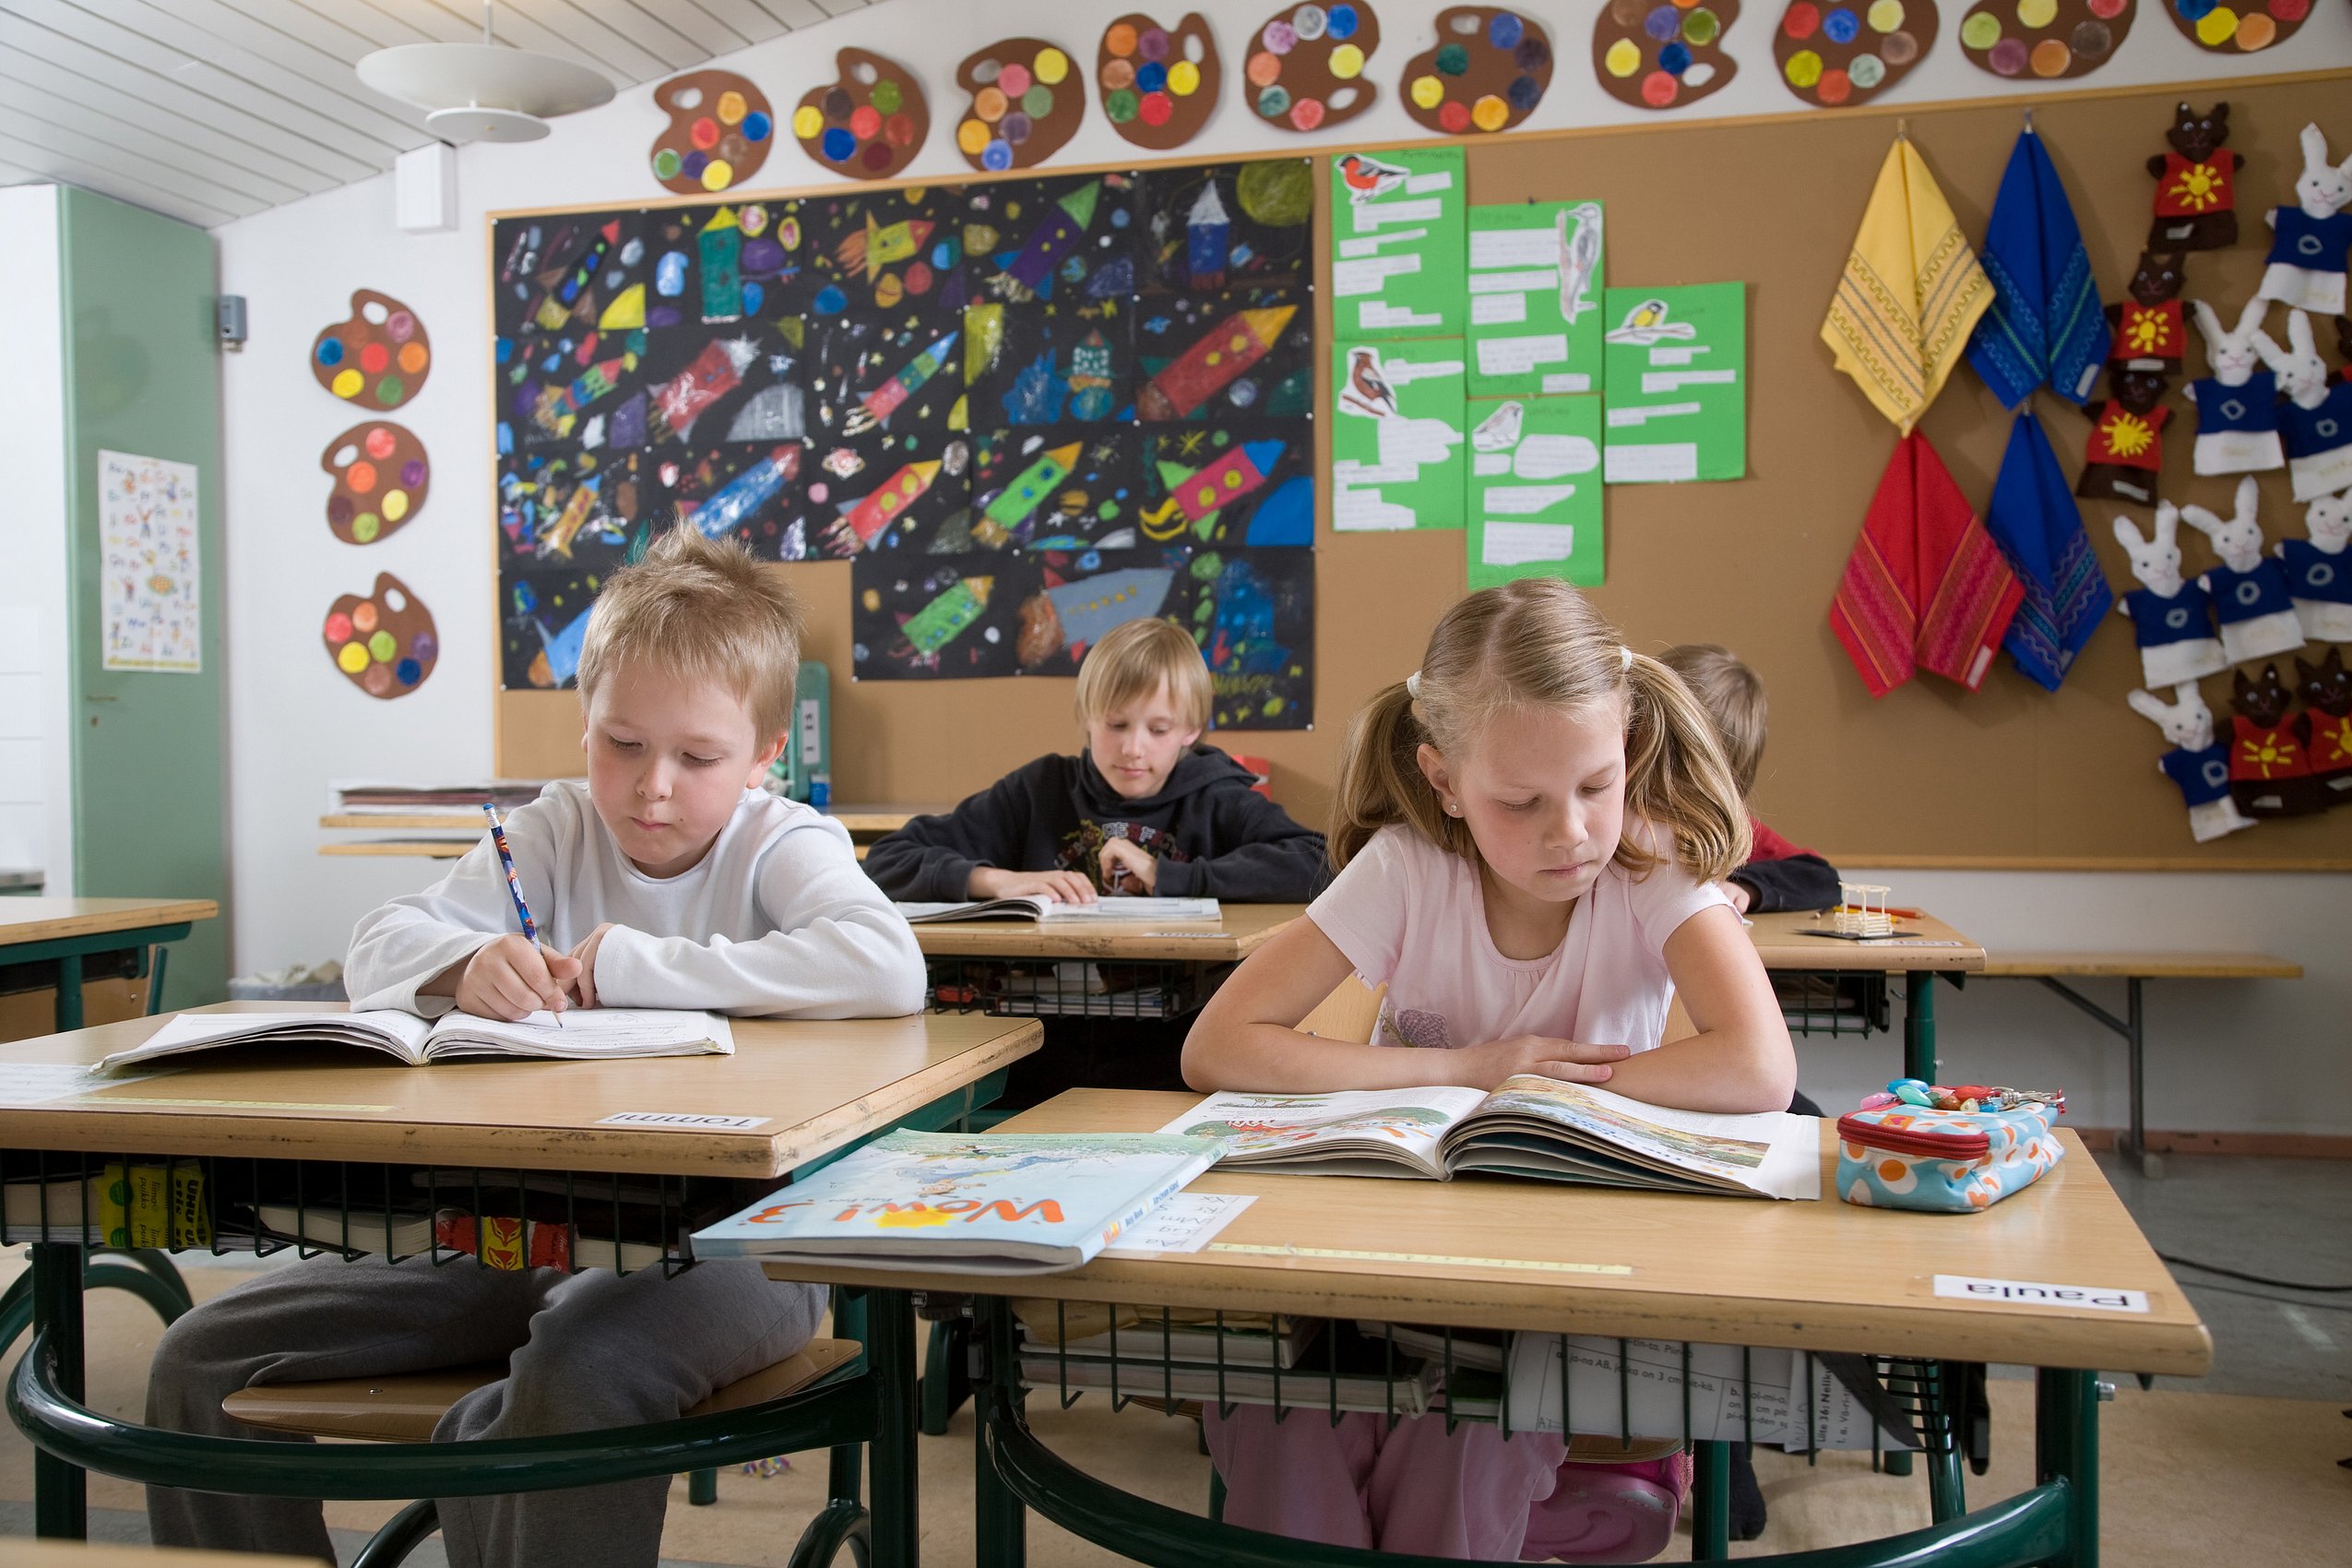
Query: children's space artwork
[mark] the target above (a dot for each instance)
(719, 132)
(1397, 233)
(2236, 27)
(1837, 56)
(2049, 39)
(151, 600)
(1035, 613)
(1159, 84)
(377, 357)
(1677, 383)
(382, 641)
(868, 123)
(1489, 70)
(1306, 64)
(382, 476)
(1396, 435)
(1002, 382)
(1663, 53)
(1534, 501)
(1536, 274)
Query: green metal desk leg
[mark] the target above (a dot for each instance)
(68, 1011)
(890, 1358)
(2066, 1444)
(1918, 1026)
(1711, 1502)
(1000, 1520)
(702, 1488)
(60, 1492)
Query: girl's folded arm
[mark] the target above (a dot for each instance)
(1740, 1060)
(1246, 1037)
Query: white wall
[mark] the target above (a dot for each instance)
(2269, 1056)
(36, 760)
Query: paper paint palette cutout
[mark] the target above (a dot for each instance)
(383, 643)
(1306, 66)
(381, 480)
(2236, 27)
(870, 123)
(1663, 53)
(1158, 86)
(1027, 102)
(1489, 69)
(1837, 55)
(378, 357)
(2049, 39)
(719, 132)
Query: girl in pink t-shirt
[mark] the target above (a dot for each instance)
(1531, 830)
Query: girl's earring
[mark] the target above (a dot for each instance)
(1453, 808)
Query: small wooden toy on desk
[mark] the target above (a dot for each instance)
(1862, 911)
(1963, 1097)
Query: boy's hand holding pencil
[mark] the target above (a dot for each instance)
(511, 977)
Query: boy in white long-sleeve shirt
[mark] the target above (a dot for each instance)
(669, 879)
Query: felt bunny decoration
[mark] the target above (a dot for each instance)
(2249, 592)
(2319, 570)
(2238, 404)
(2125, 449)
(2270, 770)
(2326, 723)
(2305, 262)
(2316, 416)
(2200, 767)
(2171, 619)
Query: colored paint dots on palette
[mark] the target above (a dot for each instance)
(1835, 53)
(382, 476)
(383, 643)
(1026, 102)
(1488, 71)
(1663, 53)
(870, 123)
(721, 128)
(1158, 86)
(1306, 66)
(2236, 27)
(378, 358)
(2048, 39)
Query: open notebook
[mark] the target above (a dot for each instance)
(588, 1032)
(1026, 907)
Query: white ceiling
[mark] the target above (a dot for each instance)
(209, 109)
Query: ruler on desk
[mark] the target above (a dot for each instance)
(1358, 1254)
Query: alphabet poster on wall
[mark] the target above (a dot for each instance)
(149, 603)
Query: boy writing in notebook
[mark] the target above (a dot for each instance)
(1777, 875)
(668, 880)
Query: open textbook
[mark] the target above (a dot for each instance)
(586, 1032)
(1795, 1399)
(1530, 1126)
(1032, 907)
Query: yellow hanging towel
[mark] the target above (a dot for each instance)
(1910, 294)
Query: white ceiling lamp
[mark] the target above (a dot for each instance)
(483, 92)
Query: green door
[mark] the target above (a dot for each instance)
(142, 378)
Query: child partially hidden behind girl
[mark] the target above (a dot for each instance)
(1532, 831)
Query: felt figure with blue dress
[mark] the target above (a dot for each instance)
(2033, 517)
(2316, 417)
(2237, 404)
(2196, 194)
(2171, 617)
(2046, 323)
(2326, 723)
(2270, 768)
(2249, 589)
(2150, 330)
(2200, 767)
(2125, 449)
(2319, 569)
(2310, 240)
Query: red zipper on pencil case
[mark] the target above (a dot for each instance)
(1907, 1140)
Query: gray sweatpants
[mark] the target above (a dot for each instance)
(584, 1351)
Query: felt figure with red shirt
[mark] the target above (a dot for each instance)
(2150, 330)
(2200, 767)
(2326, 722)
(2250, 598)
(2270, 766)
(2319, 569)
(2316, 417)
(2171, 619)
(2125, 448)
(2196, 194)
(2311, 240)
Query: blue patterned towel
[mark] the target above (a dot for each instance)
(2034, 519)
(2046, 323)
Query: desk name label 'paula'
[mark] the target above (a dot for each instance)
(2011, 1292)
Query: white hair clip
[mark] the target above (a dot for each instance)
(1625, 659)
(1413, 685)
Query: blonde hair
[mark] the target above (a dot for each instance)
(705, 611)
(1131, 661)
(1733, 695)
(1539, 643)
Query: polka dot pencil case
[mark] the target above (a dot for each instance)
(1945, 1161)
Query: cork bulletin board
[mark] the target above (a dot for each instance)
(2009, 777)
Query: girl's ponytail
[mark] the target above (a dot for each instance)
(1676, 773)
(1380, 780)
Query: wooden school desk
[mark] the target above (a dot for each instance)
(82, 1554)
(2054, 969)
(1555, 1258)
(67, 929)
(863, 823)
(1921, 948)
(809, 1089)
(1238, 931)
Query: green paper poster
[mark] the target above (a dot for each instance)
(1536, 271)
(1397, 446)
(1678, 383)
(1534, 502)
(1397, 244)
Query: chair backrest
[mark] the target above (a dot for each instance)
(1351, 1012)
(1678, 1023)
